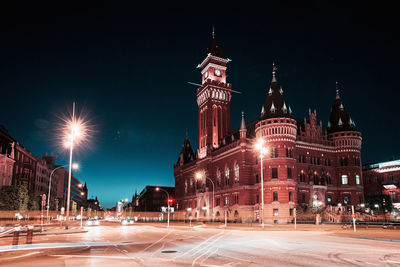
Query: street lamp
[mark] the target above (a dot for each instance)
(199, 175)
(158, 189)
(74, 166)
(263, 151)
(75, 132)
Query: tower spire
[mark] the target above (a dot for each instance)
(273, 72)
(213, 32)
(243, 124)
(337, 90)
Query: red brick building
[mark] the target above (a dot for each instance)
(382, 178)
(304, 164)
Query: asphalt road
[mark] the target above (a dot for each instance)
(144, 245)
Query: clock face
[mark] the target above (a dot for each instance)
(217, 72)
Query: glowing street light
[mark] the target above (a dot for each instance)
(75, 132)
(260, 147)
(168, 201)
(74, 166)
(199, 176)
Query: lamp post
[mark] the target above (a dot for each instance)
(263, 151)
(74, 166)
(158, 189)
(199, 175)
(76, 130)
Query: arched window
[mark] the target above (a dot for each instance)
(186, 186)
(218, 177)
(236, 169)
(226, 175)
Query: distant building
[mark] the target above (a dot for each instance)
(152, 200)
(6, 157)
(78, 191)
(93, 204)
(382, 178)
(305, 164)
(24, 167)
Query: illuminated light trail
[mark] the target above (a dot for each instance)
(62, 245)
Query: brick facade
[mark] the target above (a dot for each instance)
(303, 165)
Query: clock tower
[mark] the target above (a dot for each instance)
(213, 99)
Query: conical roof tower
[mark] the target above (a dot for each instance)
(275, 105)
(339, 119)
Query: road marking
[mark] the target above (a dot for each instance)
(21, 256)
(199, 245)
(156, 242)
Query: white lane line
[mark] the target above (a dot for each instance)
(167, 234)
(208, 247)
(199, 245)
(208, 256)
(25, 255)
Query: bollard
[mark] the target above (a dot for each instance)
(29, 234)
(16, 236)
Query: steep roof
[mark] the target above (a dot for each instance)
(275, 105)
(186, 154)
(214, 49)
(339, 119)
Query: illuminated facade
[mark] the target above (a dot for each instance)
(382, 178)
(304, 165)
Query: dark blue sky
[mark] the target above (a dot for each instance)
(128, 69)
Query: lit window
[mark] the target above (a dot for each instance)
(218, 177)
(357, 179)
(329, 199)
(276, 213)
(227, 175)
(344, 179)
(236, 169)
(226, 200)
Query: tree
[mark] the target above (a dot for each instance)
(14, 197)
(33, 202)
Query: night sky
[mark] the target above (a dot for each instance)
(127, 69)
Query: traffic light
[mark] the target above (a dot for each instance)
(170, 201)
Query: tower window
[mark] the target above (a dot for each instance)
(357, 179)
(275, 196)
(290, 196)
(274, 172)
(289, 173)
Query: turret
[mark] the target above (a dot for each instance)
(347, 141)
(278, 130)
